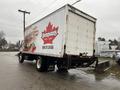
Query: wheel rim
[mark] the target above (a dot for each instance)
(38, 63)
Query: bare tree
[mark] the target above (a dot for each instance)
(2, 34)
(3, 41)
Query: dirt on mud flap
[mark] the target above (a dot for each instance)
(102, 66)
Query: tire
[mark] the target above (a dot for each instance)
(118, 62)
(21, 58)
(61, 67)
(41, 65)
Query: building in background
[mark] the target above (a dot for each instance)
(101, 46)
(105, 49)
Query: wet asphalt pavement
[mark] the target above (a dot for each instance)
(15, 76)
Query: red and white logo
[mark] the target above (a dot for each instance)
(49, 33)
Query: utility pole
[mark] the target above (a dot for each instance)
(76, 2)
(24, 12)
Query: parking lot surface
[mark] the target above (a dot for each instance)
(15, 76)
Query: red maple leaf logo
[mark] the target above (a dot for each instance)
(49, 34)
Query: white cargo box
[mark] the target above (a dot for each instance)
(65, 31)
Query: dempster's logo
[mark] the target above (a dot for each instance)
(49, 33)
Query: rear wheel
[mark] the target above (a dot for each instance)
(118, 62)
(21, 58)
(41, 65)
(62, 66)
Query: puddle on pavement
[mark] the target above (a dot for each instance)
(112, 72)
(111, 77)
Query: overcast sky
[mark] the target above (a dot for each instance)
(106, 11)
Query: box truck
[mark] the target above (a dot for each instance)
(65, 38)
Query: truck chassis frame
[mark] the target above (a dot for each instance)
(47, 63)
